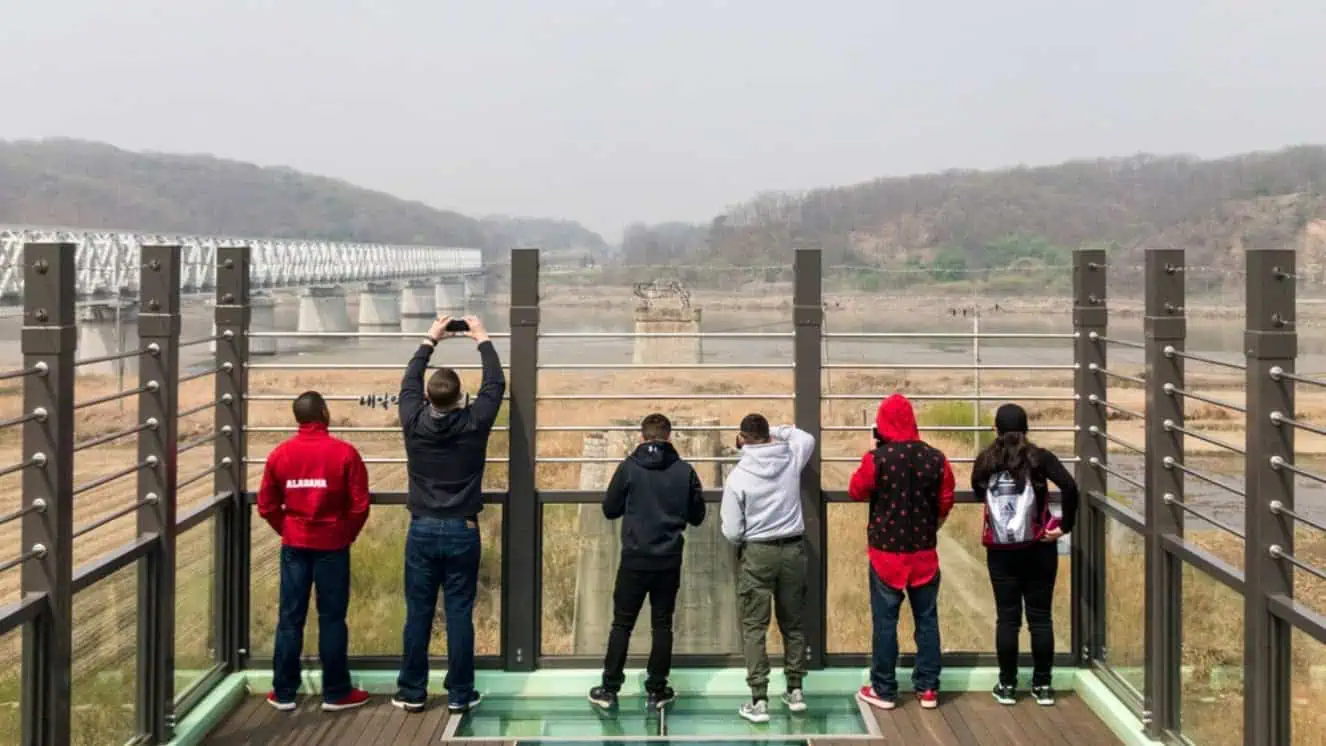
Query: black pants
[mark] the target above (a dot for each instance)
(1024, 577)
(628, 596)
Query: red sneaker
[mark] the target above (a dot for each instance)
(868, 695)
(278, 704)
(929, 699)
(356, 698)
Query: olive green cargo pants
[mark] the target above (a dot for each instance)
(772, 574)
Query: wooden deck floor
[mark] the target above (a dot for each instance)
(963, 719)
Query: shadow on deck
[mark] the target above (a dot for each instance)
(963, 719)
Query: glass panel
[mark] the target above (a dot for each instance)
(966, 601)
(377, 602)
(1125, 597)
(581, 552)
(195, 577)
(554, 717)
(11, 690)
(105, 673)
(717, 716)
(565, 717)
(1211, 706)
(1307, 691)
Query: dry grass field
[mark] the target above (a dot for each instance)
(105, 613)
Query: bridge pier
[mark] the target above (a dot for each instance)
(323, 309)
(98, 336)
(655, 320)
(706, 620)
(450, 294)
(379, 307)
(418, 300)
(476, 288)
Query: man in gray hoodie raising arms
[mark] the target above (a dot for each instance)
(761, 514)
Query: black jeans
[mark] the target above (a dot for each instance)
(628, 596)
(440, 553)
(327, 572)
(1024, 577)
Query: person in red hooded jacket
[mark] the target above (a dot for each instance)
(314, 494)
(910, 487)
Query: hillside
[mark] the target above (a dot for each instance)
(92, 185)
(958, 221)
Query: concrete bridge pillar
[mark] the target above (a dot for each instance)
(706, 619)
(418, 300)
(323, 309)
(476, 288)
(656, 320)
(450, 294)
(379, 307)
(100, 335)
(262, 318)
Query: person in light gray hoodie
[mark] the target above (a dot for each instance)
(761, 514)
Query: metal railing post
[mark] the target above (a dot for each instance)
(808, 346)
(231, 591)
(158, 406)
(1271, 343)
(1166, 327)
(49, 339)
(1090, 320)
(522, 531)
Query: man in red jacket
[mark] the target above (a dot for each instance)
(910, 485)
(315, 495)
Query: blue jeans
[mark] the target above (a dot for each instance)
(327, 572)
(440, 553)
(885, 604)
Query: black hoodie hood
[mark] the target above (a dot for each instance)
(655, 455)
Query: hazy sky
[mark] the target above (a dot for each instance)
(609, 112)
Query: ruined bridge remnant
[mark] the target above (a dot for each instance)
(665, 308)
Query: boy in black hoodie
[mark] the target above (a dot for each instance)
(656, 494)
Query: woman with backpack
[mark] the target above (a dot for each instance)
(1021, 535)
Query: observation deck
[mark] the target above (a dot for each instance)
(140, 588)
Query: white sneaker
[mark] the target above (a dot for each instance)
(795, 701)
(756, 712)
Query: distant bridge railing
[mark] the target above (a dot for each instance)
(106, 263)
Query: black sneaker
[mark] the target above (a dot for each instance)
(465, 705)
(409, 705)
(661, 698)
(600, 697)
(1044, 695)
(1005, 694)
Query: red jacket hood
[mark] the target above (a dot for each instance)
(895, 421)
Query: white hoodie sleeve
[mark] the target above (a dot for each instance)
(801, 442)
(732, 513)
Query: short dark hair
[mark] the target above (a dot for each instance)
(443, 389)
(310, 407)
(656, 427)
(755, 427)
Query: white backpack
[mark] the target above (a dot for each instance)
(1011, 513)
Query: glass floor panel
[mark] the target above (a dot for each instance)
(527, 718)
(717, 716)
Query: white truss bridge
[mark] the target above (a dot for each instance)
(107, 262)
